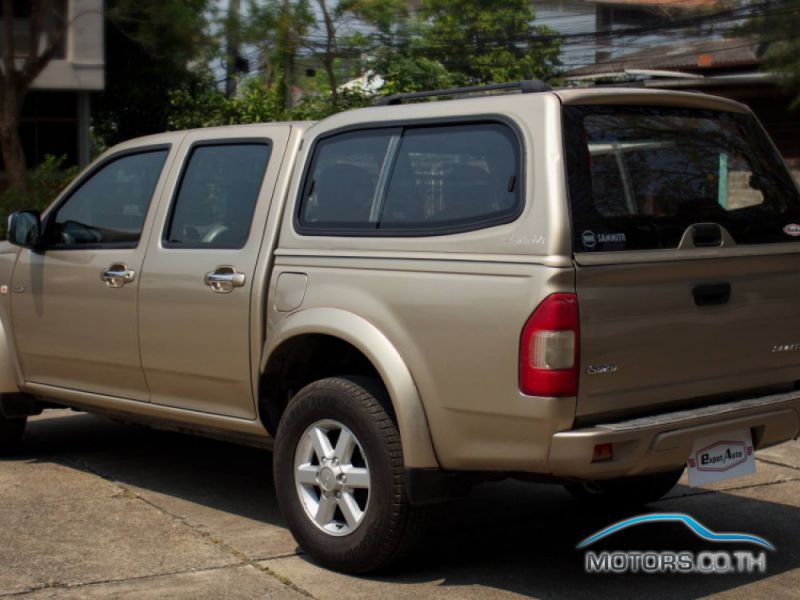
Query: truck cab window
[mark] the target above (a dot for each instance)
(110, 207)
(217, 196)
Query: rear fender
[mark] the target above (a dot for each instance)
(418, 449)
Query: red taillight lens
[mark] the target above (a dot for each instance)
(548, 351)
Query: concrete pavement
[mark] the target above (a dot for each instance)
(93, 509)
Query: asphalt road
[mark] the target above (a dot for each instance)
(93, 509)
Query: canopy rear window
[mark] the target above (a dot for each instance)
(640, 176)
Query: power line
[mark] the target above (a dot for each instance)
(610, 39)
(741, 13)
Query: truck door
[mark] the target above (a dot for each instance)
(195, 296)
(73, 304)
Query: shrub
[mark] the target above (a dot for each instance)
(45, 182)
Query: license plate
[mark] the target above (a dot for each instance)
(721, 456)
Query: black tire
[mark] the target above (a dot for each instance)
(625, 492)
(391, 526)
(11, 432)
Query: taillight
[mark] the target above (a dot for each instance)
(548, 351)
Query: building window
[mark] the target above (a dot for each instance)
(55, 18)
(49, 126)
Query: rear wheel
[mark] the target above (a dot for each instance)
(340, 478)
(628, 491)
(11, 432)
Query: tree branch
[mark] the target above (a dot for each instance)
(36, 62)
(35, 27)
(8, 32)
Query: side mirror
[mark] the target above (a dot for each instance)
(25, 228)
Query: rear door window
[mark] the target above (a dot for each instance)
(639, 177)
(217, 196)
(416, 180)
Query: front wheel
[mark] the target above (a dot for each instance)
(625, 492)
(11, 432)
(340, 478)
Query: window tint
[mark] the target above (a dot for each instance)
(451, 176)
(217, 196)
(639, 177)
(418, 180)
(110, 207)
(340, 190)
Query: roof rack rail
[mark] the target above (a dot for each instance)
(527, 86)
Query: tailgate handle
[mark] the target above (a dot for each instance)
(713, 293)
(706, 234)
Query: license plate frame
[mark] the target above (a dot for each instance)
(721, 456)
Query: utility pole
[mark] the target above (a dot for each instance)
(288, 50)
(232, 26)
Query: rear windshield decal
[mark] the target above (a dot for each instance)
(591, 239)
(792, 229)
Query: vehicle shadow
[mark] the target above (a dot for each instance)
(511, 536)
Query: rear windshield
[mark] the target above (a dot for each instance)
(640, 176)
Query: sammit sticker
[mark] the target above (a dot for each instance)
(590, 239)
(792, 229)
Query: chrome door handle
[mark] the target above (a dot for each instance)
(117, 275)
(224, 278)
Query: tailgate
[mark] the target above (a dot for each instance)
(649, 336)
(685, 234)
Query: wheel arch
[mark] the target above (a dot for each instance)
(343, 329)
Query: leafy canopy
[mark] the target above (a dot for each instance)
(485, 41)
(776, 26)
(445, 43)
(152, 49)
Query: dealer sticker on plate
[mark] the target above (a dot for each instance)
(722, 456)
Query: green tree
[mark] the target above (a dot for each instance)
(152, 50)
(255, 103)
(210, 107)
(276, 28)
(776, 23)
(350, 31)
(396, 49)
(452, 42)
(43, 184)
(485, 41)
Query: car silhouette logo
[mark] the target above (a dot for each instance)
(691, 523)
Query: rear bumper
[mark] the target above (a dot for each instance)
(664, 441)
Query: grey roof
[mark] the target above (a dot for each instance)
(696, 56)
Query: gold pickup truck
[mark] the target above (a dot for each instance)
(576, 286)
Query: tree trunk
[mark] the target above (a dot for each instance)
(332, 83)
(331, 51)
(286, 50)
(13, 157)
(232, 49)
(10, 143)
